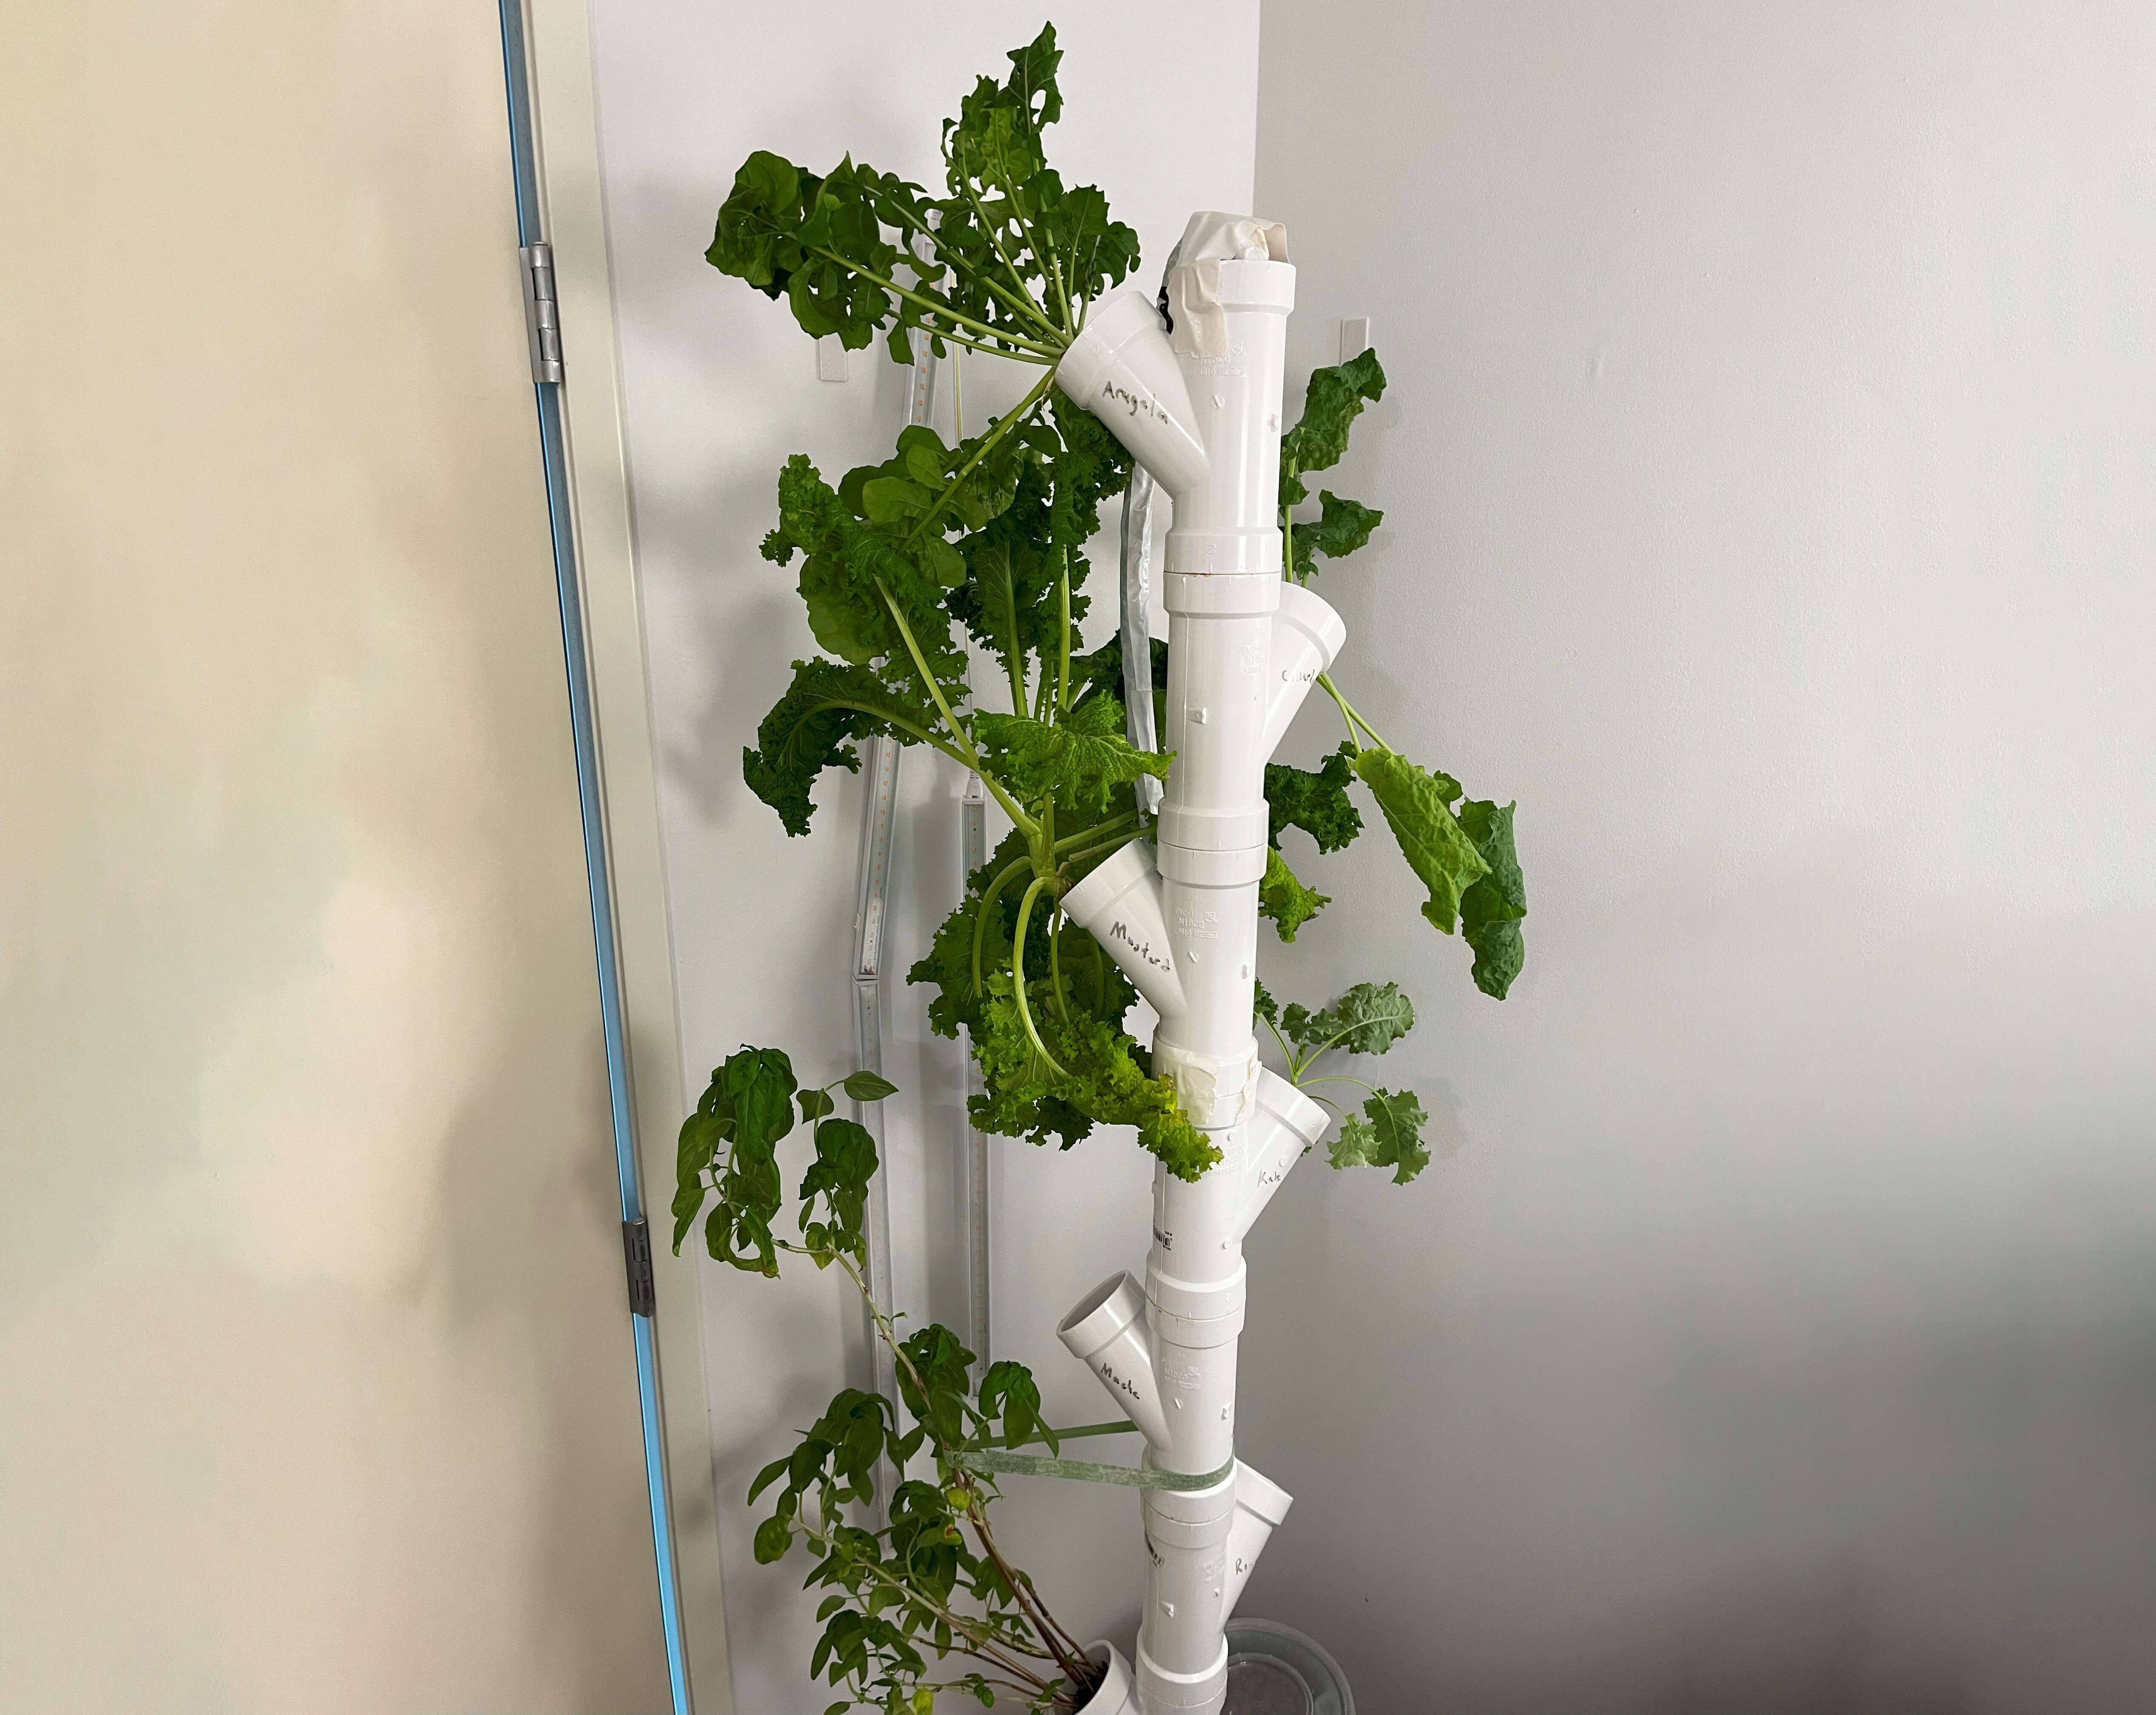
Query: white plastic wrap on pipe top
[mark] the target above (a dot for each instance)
(1198, 404)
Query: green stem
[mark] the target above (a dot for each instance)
(1020, 300)
(1352, 716)
(1106, 846)
(981, 916)
(971, 758)
(1095, 831)
(1063, 633)
(994, 238)
(1056, 965)
(1043, 353)
(920, 735)
(1026, 407)
(1018, 976)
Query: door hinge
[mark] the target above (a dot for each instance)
(636, 1251)
(541, 321)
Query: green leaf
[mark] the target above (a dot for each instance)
(1386, 1134)
(1491, 910)
(773, 1538)
(867, 1086)
(1333, 400)
(1009, 1391)
(813, 728)
(1316, 802)
(1263, 1005)
(1283, 899)
(814, 1104)
(846, 1162)
(1368, 1018)
(1417, 807)
(758, 1086)
(1079, 764)
(1341, 528)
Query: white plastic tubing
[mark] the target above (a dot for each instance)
(1199, 407)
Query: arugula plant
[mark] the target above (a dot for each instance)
(909, 570)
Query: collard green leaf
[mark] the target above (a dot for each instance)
(1491, 910)
(1386, 1134)
(1316, 802)
(1330, 404)
(1417, 806)
(1341, 528)
(1283, 899)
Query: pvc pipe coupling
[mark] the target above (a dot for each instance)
(1260, 1506)
(1107, 1333)
(1306, 639)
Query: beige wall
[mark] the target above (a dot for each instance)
(316, 1384)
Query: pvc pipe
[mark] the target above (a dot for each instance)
(1118, 1693)
(1119, 905)
(1120, 366)
(1260, 1506)
(1107, 1333)
(1288, 1126)
(1182, 1658)
(1200, 408)
(1306, 639)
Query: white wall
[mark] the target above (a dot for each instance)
(1768, 474)
(720, 387)
(316, 1387)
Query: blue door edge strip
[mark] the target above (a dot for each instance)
(554, 453)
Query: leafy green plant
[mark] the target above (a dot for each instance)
(907, 570)
(932, 1583)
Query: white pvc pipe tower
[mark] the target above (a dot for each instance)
(1199, 408)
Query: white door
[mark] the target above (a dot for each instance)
(318, 1384)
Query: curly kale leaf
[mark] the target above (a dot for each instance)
(1491, 910)
(1330, 404)
(1368, 1018)
(868, 550)
(1107, 1083)
(1418, 809)
(1080, 764)
(1283, 899)
(1316, 802)
(1386, 1134)
(813, 728)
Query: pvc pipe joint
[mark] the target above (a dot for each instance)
(1121, 367)
(1260, 1506)
(1120, 905)
(1288, 1126)
(1107, 1333)
(1306, 639)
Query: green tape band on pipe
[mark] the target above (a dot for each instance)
(1128, 1476)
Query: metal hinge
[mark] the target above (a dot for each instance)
(540, 312)
(636, 1251)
